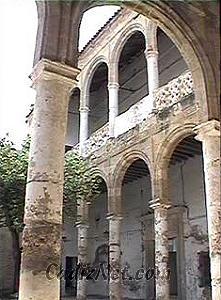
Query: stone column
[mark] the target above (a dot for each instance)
(113, 88)
(84, 111)
(114, 257)
(161, 249)
(83, 227)
(82, 259)
(41, 243)
(209, 134)
(152, 71)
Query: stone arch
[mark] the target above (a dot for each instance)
(123, 38)
(180, 21)
(186, 38)
(98, 172)
(88, 76)
(164, 154)
(118, 176)
(190, 47)
(73, 121)
(126, 161)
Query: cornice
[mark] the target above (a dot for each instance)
(51, 70)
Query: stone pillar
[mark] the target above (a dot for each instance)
(161, 249)
(84, 111)
(41, 243)
(113, 88)
(152, 71)
(83, 227)
(82, 259)
(114, 257)
(209, 134)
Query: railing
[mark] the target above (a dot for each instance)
(167, 96)
(174, 91)
(133, 116)
(97, 139)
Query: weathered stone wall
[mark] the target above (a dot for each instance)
(98, 243)
(187, 229)
(187, 187)
(135, 197)
(133, 77)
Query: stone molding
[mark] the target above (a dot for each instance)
(84, 109)
(159, 204)
(46, 69)
(151, 53)
(113, 85)
(114, 217)
(81, 224)
(209, 128)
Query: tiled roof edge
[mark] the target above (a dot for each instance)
(113, 18)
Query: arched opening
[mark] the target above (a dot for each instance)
(170, 61)
(73, 123)
(98, 98)
(98, 244)
(189, 40)
(133, 82)
(188, 235)
(137, 235)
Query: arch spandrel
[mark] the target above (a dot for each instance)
(180, 21)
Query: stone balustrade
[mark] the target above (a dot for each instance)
(174, 91)
(97, 139)
(165, 97)
(133, 116)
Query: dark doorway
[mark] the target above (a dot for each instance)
(70, 278)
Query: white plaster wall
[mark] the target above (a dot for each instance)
(136, 196)
(98, 236)
(187, 189)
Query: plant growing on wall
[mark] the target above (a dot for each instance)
(80, 184)
(13, 173)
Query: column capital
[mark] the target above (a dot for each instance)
(209, 128)
(84, 109)
(151, 53)
(157, 203)
(113, 85)
(114, 217)
(81, 224)
(46, 69)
